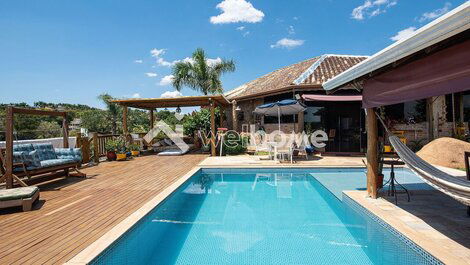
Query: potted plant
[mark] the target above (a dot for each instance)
(111, 148)
(135, 149)
(121, 150)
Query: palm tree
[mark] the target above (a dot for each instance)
(113, 110)
(201, 74)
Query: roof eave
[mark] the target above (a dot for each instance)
(450, 24)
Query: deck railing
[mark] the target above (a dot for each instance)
(94, 147)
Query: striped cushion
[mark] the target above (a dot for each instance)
(32, 160)
(45, 151)
(74, 154)
(23, 147)
(19, 156)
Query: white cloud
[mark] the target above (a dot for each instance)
(157, 52)
(162, 62)
(166, 80)
(211, 62)
(234, 11)
(171, 94)
(136, 95)
(403, 34)
(372, 8)
(246, 33)
(291, 30)
(241, 28)
(287, 43)
(295, 18)
(436, 13)
(138, 61)
(151, 74)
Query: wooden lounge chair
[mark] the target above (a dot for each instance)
(23, 196)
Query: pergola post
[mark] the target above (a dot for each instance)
(152, 119)
(234, 116)
(124, 121)
(213, 132)
(222, 115)
(9, 148)
(372, 153)
(65, 131)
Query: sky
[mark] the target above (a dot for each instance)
(72, 51)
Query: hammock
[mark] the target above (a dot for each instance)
(452, 186)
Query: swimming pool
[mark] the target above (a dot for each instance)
(261, 216)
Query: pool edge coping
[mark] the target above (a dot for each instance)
(93, 250)
(365, 204)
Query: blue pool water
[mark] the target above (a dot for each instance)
(261, 216)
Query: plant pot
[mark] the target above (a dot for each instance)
(111, 155)
(121, 157)
(135, 153)
(387, 149)
(380, 181)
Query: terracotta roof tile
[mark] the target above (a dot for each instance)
(324, 68)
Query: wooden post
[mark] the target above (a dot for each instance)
(372, 155)
(78, 141)
(124, 121)
(234, 116)
(96, 155)
(213, 132)
(9, 148)
(65, 131)
(152, 119)
(222, 116)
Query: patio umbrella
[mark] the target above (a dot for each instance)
(283, 107)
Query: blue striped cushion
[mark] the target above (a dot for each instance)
(19, 156)
(74, 154)
(45, 151)
(23, 147)
(32, 160)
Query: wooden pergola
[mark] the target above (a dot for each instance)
(9, 121)
(151, 104)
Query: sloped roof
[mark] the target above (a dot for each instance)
(309, 73)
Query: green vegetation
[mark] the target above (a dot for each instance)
(94, 119)
(200, 74)
(199, 120)
(234, 144)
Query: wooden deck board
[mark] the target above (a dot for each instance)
(71, 216)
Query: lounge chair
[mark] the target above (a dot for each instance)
(23, 196)
(175, 151)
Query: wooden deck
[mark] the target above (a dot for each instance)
(73, 212)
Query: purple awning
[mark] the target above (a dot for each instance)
(444, 72)
(311, 97)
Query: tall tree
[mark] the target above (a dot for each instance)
(113, 110)
(200, 73)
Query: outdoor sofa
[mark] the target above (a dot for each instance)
(35, 159)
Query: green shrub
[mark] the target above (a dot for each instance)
(234, 144)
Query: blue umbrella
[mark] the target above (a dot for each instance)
(283, 107)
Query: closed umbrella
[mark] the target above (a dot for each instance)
(283, 107)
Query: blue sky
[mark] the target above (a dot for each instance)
(71, 51)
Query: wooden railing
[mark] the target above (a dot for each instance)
(94, 147)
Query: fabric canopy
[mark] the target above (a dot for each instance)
(307, 97)
(444, 72)
(283, 107)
